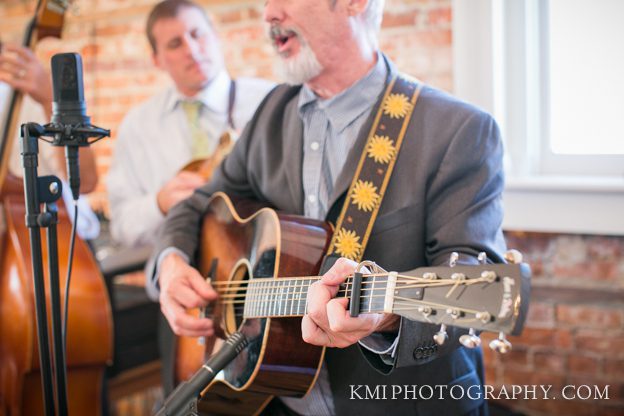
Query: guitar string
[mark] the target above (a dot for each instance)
(315, 278)
(246, 293)
(262, 290)
(271, 305)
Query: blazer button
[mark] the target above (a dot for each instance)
(418, 353)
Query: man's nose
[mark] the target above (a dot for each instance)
(191, 46)
(273, 11)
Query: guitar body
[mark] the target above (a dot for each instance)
(248, 243)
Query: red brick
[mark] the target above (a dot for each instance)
(516, 358)
(541, 315)
(613, 369)
(600, 342)
(437, 17)
(522, 377)
(549, 362)
(541, 337)
(581, 364)
(392, 20)
(610, 409)
(590, 316)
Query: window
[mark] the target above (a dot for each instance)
(551, 72)
(583, 67)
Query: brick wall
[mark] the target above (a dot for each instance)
(574, 333)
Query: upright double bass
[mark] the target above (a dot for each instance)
(89, 327)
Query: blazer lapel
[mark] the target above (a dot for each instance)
(346, 175)
(293, 153)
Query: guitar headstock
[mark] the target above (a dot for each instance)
(486, 297)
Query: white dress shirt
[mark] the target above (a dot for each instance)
(154, 143)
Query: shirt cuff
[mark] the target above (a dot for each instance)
(382, 343)
(160, 259)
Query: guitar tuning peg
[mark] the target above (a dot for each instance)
(482, 257)
(470, 340)
(501, 345)
(441, 336)
(513, 256)
(453, 259)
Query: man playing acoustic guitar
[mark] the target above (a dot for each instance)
(299, 153)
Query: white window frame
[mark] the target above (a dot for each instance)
(508, 85)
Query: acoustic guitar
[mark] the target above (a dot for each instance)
(262, 263)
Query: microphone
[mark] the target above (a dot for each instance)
(70, 124)
(179, 401)
(69, 105)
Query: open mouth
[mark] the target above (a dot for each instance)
(282, 39)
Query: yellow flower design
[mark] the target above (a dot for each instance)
(365, 195)
(348, 244)
(396, 105)
(381, 149)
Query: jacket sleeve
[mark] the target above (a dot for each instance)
(464, 215)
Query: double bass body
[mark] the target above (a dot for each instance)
(89, 337)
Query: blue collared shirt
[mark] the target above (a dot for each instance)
(330, 129)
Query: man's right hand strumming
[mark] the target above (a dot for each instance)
(182, 287)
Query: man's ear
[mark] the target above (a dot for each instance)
(357, 7)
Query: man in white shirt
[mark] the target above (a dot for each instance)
(159, 137)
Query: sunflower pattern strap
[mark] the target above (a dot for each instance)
(374, 169)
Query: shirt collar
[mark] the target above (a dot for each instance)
(342, 109)
(215, 96)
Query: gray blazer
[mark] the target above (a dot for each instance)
(444, 196)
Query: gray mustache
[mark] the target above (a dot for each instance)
(278, 32)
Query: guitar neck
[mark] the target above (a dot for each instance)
(491, 297)
(286, 297)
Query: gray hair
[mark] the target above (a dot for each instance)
(372, 18)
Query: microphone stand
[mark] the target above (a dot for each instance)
(47, 190)
(183, 400)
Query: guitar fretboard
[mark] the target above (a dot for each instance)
(287, 296)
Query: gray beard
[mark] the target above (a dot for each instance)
(301, 68)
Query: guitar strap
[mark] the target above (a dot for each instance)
(372, 175)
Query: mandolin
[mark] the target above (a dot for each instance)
(262, 263)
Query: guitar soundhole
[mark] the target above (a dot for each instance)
(235, 304)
